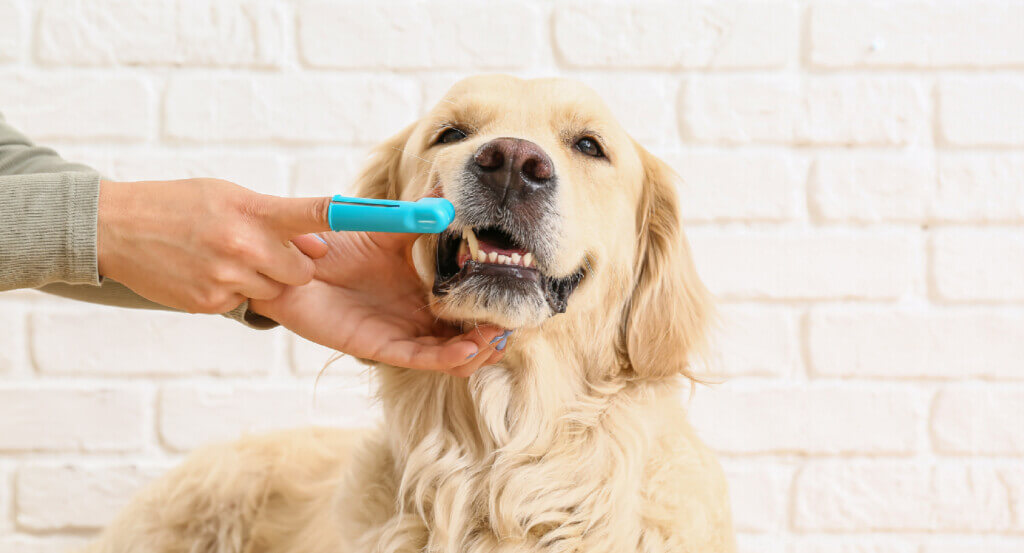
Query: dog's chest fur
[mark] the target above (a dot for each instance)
(503, 466)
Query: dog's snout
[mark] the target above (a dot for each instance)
(513, 163)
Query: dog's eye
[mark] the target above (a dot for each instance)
(451, 135)
(590, 147)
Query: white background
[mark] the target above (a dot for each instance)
(854, 194)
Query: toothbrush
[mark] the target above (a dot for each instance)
(427, 215)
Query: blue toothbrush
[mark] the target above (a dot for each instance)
(427, 215)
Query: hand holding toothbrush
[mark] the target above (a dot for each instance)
(206, 245)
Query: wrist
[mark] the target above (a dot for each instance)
(109, 225)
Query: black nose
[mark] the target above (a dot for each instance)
(513, 165)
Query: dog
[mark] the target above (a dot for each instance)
(568, 231)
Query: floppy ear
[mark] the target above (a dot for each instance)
(379, 178)
(665, 321)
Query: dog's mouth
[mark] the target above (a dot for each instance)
(490, 257)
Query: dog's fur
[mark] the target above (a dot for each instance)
(576, 441)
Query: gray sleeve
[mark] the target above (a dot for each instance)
(48, 214)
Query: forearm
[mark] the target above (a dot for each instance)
(48, 228)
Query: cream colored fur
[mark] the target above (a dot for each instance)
(575, 442)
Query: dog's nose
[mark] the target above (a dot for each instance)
(513, 164)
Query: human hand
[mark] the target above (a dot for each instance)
(205, 245)
(368, 301)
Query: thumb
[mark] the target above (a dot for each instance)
(293, 216)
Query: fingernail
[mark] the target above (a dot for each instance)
(501, 346)
(320, 238)
(501, 336)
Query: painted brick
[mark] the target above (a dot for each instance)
(76, 497)
(78, 106)
(759, 494)
(978, 264)
(900, 496)
(831, 110)
(982, 111)
(907, 344)
(12, 30)
(292, 108)
(13, 338)
(976, 545)
(754, 341)
(872, 187)
(6, 503)
(326, 175)
(917, 34)
(670, 35)
(808, 264)
(641, 103)
(1013, 477)
(41, 544)
(761, 543)
(35, 417)
(190, 416)
(852, 544)
(818, 420)
(235, 33)
(265, 173)
(747, 186)
(979, 420)
(418, 35)
(108, 341)
(980, 187)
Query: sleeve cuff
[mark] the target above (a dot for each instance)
(250, 318)
(48, 229)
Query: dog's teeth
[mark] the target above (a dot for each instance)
(470, 237)
(492, 257)
(528, 260)
(503, 260)
(481, 256)
(515, 259)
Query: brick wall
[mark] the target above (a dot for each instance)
(854, 192)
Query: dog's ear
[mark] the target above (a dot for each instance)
(379, 178)
(665, 322)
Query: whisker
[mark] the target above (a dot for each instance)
(586, 259)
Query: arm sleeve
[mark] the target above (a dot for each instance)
(48, 212)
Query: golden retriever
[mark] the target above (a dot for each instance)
(576, 441)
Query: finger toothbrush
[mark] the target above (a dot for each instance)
(427, 215)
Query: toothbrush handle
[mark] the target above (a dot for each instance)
(427, 215)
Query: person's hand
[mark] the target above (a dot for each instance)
(368, 301)
(205, 245)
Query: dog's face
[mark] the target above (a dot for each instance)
(556, 208)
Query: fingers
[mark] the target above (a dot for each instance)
(287, 264)
(257, 286)
(312, 245)
(417, 355)
(393, 241)
(489, 353)
(293, 216)
(466, 353)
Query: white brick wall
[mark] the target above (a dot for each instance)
(853, 187)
